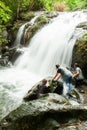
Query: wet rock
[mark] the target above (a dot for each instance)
(35, 114)
(54, 87)
(83, 25)
(49, 124)
(7, 54)
(52, 14)
(4, 61)
(4, 34)
(80, 54)
(27, 16)
(15, 56)
(42, 20)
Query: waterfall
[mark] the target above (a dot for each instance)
(23, 27)
(52, 45)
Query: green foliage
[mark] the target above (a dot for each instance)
(10, 9)
(13, 5)
(5, 13)
(85, 36)
(38, 5)
(75, 4)
(43, 4)
(49, 4)
(17, 6)
(27, 16)
(25, 5)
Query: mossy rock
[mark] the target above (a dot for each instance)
(27, 16)
(35, 28)
(49, 124)
(51, 14)
(18, 24)
(32, 115)
(82, 25)
(41, 20)
(3, 35)
(80, 54)
(31, 30)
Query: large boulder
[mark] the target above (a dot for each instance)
(47, 113)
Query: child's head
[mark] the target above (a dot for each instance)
(44, 81)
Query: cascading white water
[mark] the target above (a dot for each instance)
(51, 45)
(21, 29)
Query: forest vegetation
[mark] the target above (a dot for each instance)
(10, 9)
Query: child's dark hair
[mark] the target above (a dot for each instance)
(44, 81)
(76, 64)
(57, 66)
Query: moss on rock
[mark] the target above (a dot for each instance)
(3, 36)
(27, 16)
(42, 20)
(82, 25)
(80, 53)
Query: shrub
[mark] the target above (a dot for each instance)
(60, 6)
(5, 13)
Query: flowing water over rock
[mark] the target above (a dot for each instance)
(51, 45)
(22, 29)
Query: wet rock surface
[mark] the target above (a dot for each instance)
(50, 112)
(80, 48)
